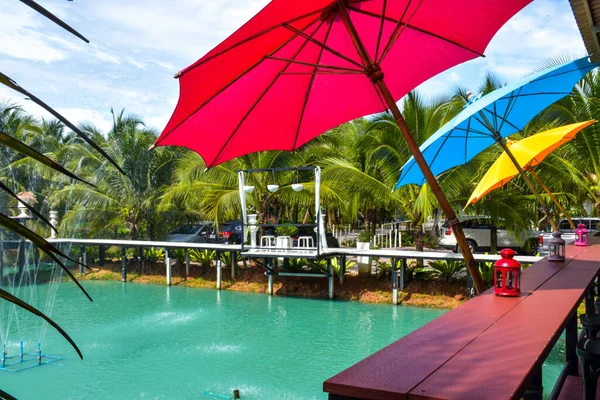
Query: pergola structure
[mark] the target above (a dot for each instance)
(587, 16)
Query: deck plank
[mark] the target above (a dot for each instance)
(520, 340)
(384, 375)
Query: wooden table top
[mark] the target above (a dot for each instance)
(486, 348)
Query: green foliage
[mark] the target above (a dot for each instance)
(286, 230)
(364, 236)
(336, 265)
(177, 254)
(204, 257)
(153, 254)
(297, 264)
(448, 269)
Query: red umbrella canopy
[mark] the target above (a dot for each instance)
(293, 71)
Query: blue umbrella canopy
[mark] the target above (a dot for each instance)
(487, 119)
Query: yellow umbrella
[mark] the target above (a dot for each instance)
(528, 153)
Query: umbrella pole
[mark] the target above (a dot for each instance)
(527, 181)
(560, 207)
(374, 73)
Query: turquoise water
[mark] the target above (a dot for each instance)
(149, 341)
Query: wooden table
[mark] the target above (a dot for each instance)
(489, 348)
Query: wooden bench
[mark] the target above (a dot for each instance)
(489, 348)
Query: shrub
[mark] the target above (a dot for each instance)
(364, 236)
(286, 230)
(447, 270)
(153, 254)
(204, 257)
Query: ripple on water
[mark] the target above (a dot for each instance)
(220, 348)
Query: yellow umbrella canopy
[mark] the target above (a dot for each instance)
(528, 152)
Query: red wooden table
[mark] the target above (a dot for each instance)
(489, 348)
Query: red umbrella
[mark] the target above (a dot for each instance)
(299, 68)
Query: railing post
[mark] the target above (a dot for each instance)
(123, 265)
(394, 282)
(233, 264)
(168, 266)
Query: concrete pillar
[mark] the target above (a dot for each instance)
(219, 282)
(330, 278)
(168, 266)
(101, 251)
(123, 265)
(342, 269)
(187, 262)
(84, 260)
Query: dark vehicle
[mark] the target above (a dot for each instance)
(193, 233)
(231, 232)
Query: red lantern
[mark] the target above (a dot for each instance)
(507, 275)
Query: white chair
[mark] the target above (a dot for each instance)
(306, 241)
(267, 241)
(283, 243)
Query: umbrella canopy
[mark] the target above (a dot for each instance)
(528, 152)
(487, 120)
(299, 68)
(293, 71)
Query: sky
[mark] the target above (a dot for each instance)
(137, 45)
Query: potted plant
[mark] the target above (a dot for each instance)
(363, 242)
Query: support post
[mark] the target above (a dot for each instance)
(330, 278)
(589, 301)
(83, 261)
(402, 273)
(187, 263)
(101, 255)
(342, 269)
(374, 73)
(394, 282)
(535, 389)
(168, 266)
(123, 265)
(219, 279)
(233, 263)
(270, 277)
(571, 344)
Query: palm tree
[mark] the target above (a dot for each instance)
(118, 205)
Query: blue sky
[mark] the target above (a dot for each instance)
(137, 45)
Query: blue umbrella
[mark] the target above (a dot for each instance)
(487, 119)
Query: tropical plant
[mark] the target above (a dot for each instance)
(364, 237)
(153, 254)
(204, 257)
(447, 269)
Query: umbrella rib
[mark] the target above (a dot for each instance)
(324, 73)
(398, 29)
(252, 37)
(53, 18)
(253, 106)
(165, 135)
(375, 15)
(381, 23)
(315, 65)
(310, 85)
(323, 45)
(505, 121)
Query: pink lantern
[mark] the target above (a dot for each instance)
(581, 235)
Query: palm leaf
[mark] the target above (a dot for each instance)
(15, 300)
(5, 80)
(33, 210)
(6, 396)
(22, 148)
(41, 243)
(53, 18)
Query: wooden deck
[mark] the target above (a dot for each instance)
(489, 348)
